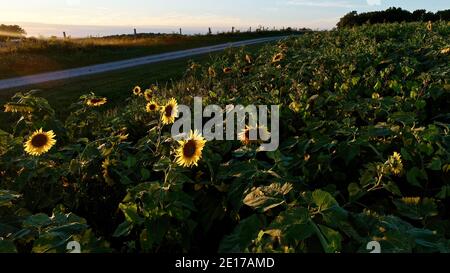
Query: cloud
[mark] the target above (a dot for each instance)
(323, 4)
(374, 2)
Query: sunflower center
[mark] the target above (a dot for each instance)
(39, 140)
(189, 148)
(168, 110)
(152, 107)
(95, 100)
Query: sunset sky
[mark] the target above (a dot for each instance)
(102, 17)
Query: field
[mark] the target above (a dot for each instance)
(32, 56)
(364, 155)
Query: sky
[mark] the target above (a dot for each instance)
(106, 17)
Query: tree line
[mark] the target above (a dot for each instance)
(392, 15)
(11, 31)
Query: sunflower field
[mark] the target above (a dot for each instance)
(364, 155)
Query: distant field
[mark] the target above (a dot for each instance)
(32, 56)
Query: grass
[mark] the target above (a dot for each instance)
(116, 85)
(33, 56)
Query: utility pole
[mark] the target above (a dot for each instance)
(209, 31)
(232, 29)
(135, 32)
(64, 35)
(181, 33)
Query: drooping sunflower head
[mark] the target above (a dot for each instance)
(277, 58)
(148, 94)
(211, 72)
(430, 26)
(137, 91)
(445, 50)
(190, 150)
(18, 108)
(395, 163)
(95, 102)
(152, 106)
(246, 70)
(169, 112)
(227, 70)
(248, 59)
(40, 142)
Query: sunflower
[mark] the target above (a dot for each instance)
(137, 91)
(445, 50)
(261, 131)
(18, 108)
(227, 70)
(212, 72)
(95, 102)
(375, 96)
(395, 163)
(248, 59)
(277, 58)
(40, 142)
(148, 94)
(152, 106)
(190, 150)
(169, 112)
(430, 26)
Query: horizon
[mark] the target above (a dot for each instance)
(104, 18)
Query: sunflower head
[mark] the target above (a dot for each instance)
(277, 58)
(445, 50)
(152, 106)
(18, 108)
(227, 70)
(246, 70)
(148, 94)
(190, 150)
(95, 102)
(40, 142)
(248, 59)
(430, 26)
(245, 135)
(169, 112)
(137, 91)
(211, 72)
(395, 163)
(375, 96)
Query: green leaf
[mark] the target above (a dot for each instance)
(161, 165)
(414, 175)
(416, 208)
(435, 164)
(123, 229)
(130, 162)
(242, 236)
(7, 246)
(7, 197)
(393, 188)
(333, 238)
(145, 174)
(329, 207)
(37, 221)
(265, 198)
(131, 214)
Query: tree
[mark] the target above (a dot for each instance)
(11, 31)
(391, 15)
